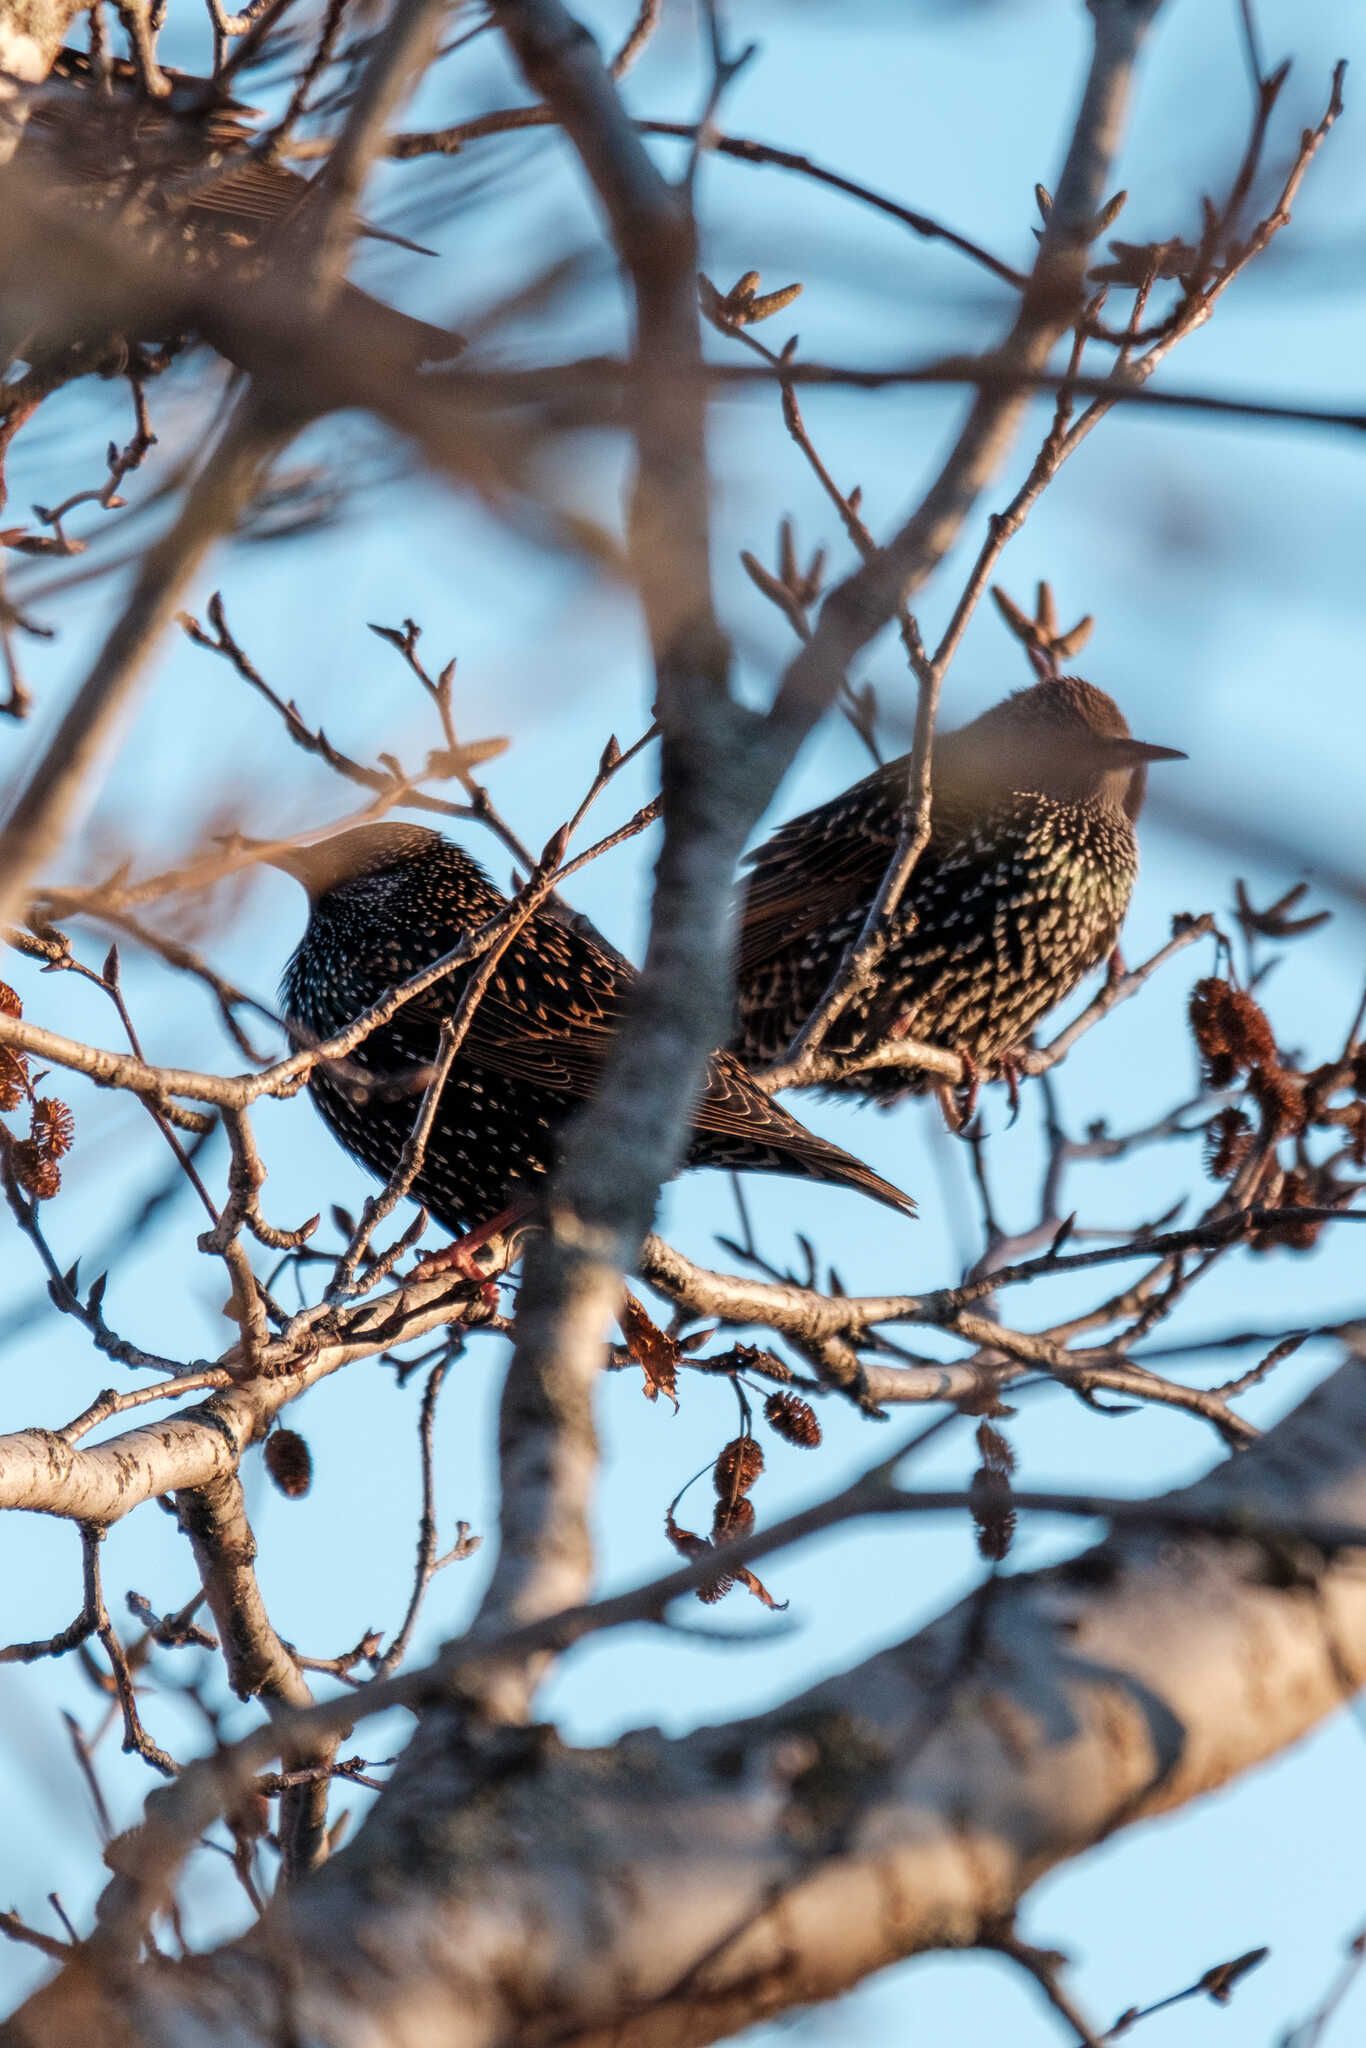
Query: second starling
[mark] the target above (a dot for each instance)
(389, 900)
(187, 172)
(1020, 892)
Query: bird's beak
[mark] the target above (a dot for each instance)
(1134, 753)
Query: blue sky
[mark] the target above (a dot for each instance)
(1222, 564)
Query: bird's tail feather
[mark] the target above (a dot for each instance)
(735, 1113)
(816, 1159)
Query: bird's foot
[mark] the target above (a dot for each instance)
(958, 1100)
(1011, 1070)
(463, 1258)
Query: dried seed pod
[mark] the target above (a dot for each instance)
(53, 1127)
(1354, 1123)
(992, 1513)
(794, 1419)
(1281, 1098)
(13, 1078)
(289, 1462)
(1296, 1191)
(1228, 1141)
(1209, 1022)
(732, 1518)
(1252, 1042)
(39, 1177)
(737, 1467)
(1231, 1030)
(993, 1449)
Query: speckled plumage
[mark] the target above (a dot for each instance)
(387, 900)
(1020, 892)
(185, 171)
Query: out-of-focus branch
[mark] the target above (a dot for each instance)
(64, 776)
(633, 1134)
(401, 55)
(720, 763)
(31, 34)
(225, 485)
(1014, 1734)
(860, 606)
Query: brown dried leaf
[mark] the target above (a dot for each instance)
(686, 1542)
(743, 1576)
(751, 1358)
(653, 1349)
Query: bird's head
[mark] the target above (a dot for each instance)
(1063, 738)
(326, 864)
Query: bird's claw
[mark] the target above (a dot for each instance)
(462, 1257)
(958, 1101)
(1012, 1073)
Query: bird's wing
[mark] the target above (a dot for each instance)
(548, 1018)
(816, 867)
(548, 1014)
(829, 861)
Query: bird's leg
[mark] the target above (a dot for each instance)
(1115, 969)
(460, 1257)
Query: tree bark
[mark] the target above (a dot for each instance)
(506, 1888)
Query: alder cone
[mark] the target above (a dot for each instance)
(289, 1462)
(793, 1419)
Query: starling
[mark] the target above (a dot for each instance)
(184, 170)
(387, 901)
(1019, 893)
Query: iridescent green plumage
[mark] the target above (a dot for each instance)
(387, 901)
(1020, 892)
